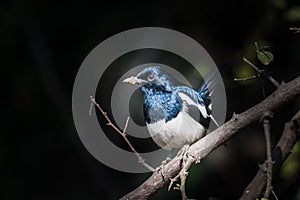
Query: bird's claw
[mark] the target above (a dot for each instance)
(161, 167)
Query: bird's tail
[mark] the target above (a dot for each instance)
(206, 90)
(209, 83)
(213, 119)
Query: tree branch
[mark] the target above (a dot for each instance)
(245, 79)
(295, 29)
(122, 133)
(262, 73)
(281, 151)
(204, 146)
(269, 161)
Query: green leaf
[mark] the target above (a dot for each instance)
(265, 57)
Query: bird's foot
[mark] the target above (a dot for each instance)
(183, 152)
(186, 163)
(162, 166)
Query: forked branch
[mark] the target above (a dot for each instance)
(122, 133)
(283, 148)
(200, 149)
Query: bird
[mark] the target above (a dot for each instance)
(168, 107)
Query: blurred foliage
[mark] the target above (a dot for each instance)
(43, 44)
(293, 14)
(280, 4)
(292, 164)
(243, 71)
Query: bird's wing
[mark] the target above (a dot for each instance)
(207, 88)
(205, 96)
(192, 97)
(199, 99)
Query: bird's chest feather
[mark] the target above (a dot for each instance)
(160, 104)
(167, 122)
(177, 132)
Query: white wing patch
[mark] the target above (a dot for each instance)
(209, 106)
(189, 101)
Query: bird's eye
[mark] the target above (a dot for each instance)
(151, 77)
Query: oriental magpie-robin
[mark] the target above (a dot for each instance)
(167, 108)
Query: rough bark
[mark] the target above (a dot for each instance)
(204, 146)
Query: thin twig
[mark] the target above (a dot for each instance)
(262, 73)
(173, 180)
(259, 49)
(181, 157)
(122, 133)
(182, 184)
(269, 161)
(283, 148)
(207, 144)
(295, 29)
(252, 65)
(91, 108)
(256, 46)
(246, 78)
(125, 127)
(182, 175)
(186, 164)
(274, 194)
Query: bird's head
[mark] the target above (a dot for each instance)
(150, 75)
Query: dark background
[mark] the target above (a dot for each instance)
(43, 44)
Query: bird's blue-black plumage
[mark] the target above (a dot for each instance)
(161, 99)
(159, 103)
(166, 108)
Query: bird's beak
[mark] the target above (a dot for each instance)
(133, 80)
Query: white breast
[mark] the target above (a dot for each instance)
(177, 132)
